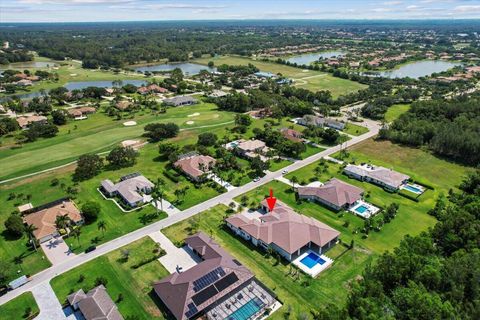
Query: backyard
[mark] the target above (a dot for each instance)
(129, 273)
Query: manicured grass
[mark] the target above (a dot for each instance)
(396, 111)
(276, 165)
(308, 79)
(355, 129)
(72, 71)
(97, 134)
(134, 284)
(17, 308)
(300, 292)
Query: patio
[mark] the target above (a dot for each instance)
(363, 209)
(248, 303)
(312, 263)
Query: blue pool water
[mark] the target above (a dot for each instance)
(246, 311)
(312, 260)
(361, 209)
(413, 189)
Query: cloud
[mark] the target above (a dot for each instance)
(467, 9)
(392, 3)
(68, 2)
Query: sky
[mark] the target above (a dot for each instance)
(141, 10)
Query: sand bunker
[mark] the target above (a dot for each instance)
(129, 123)
(305, 70)
(190, 122)
(215, 116)
(73, 74)
(196, 114)
(129, 143)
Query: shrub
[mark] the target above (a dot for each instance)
(14, 225)
(90, 211)
(101, 281)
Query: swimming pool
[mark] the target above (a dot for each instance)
(361, 209)
(311, 260)
(248, 310)
(413, 189)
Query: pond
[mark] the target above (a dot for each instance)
(312, 57)
(417, 69)
(27, 65)
(78, 86)
(187, 68)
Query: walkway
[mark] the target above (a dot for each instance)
(167, 207)
(48, 274)
(50, 307)
(221, 182)
(175, 257)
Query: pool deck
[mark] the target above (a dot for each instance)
(371, 209)
(315, 271)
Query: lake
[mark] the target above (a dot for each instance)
(312, 57)
(79, 86)
(417, 69)
(187, 68)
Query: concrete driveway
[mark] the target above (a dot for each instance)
(175, 258)
(50, 307)
(57, 251)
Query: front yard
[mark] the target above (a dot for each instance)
(128, 286)
(21, 308)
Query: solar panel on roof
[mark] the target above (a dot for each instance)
(208, 279)
(204, 295)
(226, 282)
(192, 310)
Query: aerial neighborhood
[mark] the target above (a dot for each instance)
(229, 161)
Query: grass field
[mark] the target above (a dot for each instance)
(134, 284)
(17, 309)
(355, 129)
(96, 134)
(72, 71)
(396, 111)
(308, 79)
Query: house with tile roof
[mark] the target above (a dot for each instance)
(283, 230)
(44, 218)
(195, 166)
(130, 189)
(213, 289)
(335, 194)
(384, 177)
(96, 304)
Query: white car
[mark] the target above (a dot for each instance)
(256, 179)
(284, 171)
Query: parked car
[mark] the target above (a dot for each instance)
(90, 249)
(284, 171)
(256, 179)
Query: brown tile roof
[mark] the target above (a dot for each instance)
(178, 291)
(292, 135)
(285, 228)
(77, 112)
(192, 165)
(24, 121)
(96, 304)
(123, 105)
(44, 220)
(334, 191)
(251, 145)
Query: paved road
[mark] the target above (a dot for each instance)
(48, 274)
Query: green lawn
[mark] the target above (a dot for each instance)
(96, 134)
(355, 129)
(308, 79)
(22, 307)
(134, 284)
(330, 286)
(72, 71)
(396, 111)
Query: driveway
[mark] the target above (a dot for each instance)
(221, 182)
(175, 257)
(57, 251)
(50, 308)
(168, 208)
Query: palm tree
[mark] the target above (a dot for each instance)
(62, 222)
(29, 229)
(157, 193)
(76, 233)
(294, 180)
(102, 225)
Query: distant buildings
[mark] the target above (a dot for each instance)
(80, 113)
(180, 101)
(311, 120)
(44, 218)
(25, 121)
(283, 230)
(195, 166)
(387, 178)
(335, 194)
(217, 288)
(129, 189)
(96, 304)
(291, 134)
(153, 88)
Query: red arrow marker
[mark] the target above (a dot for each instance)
(271, 201)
